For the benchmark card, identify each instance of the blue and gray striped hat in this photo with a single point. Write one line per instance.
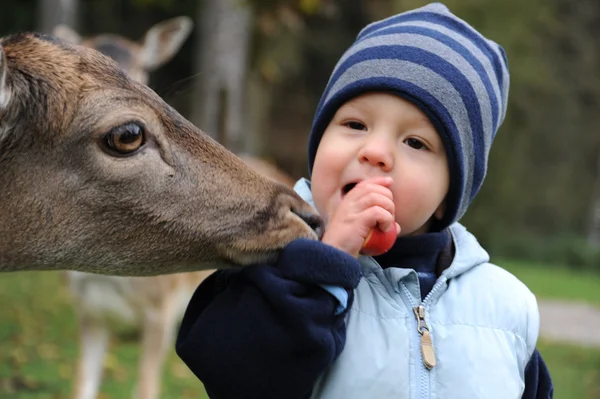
(442, 65)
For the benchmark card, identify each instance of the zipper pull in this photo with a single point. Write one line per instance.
(426, 342)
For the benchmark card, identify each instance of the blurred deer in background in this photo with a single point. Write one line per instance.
(154, 304)
(137, 58)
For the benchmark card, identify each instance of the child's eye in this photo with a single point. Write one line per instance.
(354, 125)
(414, 143)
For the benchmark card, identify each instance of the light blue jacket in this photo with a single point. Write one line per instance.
(482, 321)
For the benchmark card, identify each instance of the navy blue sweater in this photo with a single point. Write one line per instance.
(270, 331)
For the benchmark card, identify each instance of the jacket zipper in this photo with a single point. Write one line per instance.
(427, 352)
(424, 335)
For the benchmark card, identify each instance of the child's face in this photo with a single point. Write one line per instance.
(379, 134)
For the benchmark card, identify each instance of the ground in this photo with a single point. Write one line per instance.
(38, 338)
(572, 322)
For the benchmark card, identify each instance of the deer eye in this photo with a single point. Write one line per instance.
(125, 139)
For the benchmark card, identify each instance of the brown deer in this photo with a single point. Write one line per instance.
(154, 304)
(100, 175)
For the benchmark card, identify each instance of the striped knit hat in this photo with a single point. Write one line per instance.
(457, 77)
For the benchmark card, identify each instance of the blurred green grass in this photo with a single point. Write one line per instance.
(555, 282)
(39, 346)
(575, 370)
(38, 341)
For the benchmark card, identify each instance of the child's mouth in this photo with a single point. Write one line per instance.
(346, 189)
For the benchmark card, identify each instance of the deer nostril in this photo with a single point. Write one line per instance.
(313, 220)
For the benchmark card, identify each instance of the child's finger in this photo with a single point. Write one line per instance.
(384, 181)
(365, 187)
(376, 199)
(386, 227)
(378, 216)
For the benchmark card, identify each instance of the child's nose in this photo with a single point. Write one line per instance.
(377, 152)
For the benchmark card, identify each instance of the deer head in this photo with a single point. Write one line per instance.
(99, 174)
(160, 44)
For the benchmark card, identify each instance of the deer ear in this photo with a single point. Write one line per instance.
(4, 91)
(164, 40)
(67, 34)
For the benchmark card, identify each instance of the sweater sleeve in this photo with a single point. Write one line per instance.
(269, 331)
(538, 383)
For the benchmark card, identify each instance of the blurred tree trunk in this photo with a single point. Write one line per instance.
(54, 12)
(594, 232)
(259, 100)
(222, 63)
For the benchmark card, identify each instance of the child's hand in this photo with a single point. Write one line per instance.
(368, 205)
